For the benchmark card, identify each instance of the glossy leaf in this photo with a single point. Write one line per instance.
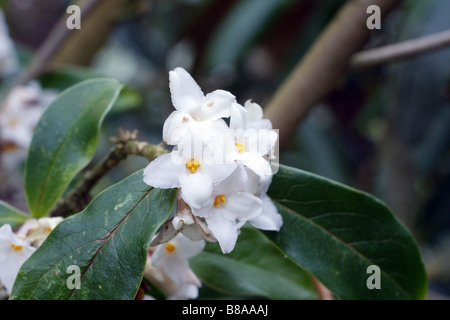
(10, 215)
(336, 233)
(108, 241)
(254, 268)
(65, 140)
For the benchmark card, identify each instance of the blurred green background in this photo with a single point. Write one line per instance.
(384, 130)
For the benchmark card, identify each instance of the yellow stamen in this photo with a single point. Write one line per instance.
(218, 200)
(16, 248)
(193, 165)
(240, 147)
(169, 247)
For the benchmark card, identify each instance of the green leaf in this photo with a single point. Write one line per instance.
(66, 76)
(108, 241)
(336, 232)
(254, 268)
(10, 215)
(65, 140)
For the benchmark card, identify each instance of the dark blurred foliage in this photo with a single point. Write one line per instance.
(384, 130)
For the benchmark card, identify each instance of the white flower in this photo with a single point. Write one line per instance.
(229, 208)
(250, 116)
(21, 112)
(195, 111)
(253, 136)
(189, 172)
(269, 219)
(13, 253)
(168, 267)
(35, 231)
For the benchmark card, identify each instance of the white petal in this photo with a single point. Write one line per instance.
(238, 117)
(11, 260)
(242, 206)
(186, 93)
(255, 112)
(185, 292)
(218, 172)
(269, 219)
(224, 230)
(215, 105)
(186, 247)
(234, 182)
(257, 184)
(260, 141)
(176, 126)
(163, 172)
(256, 163)
(196, 188)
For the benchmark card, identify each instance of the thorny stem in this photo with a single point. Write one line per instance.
(125, 144)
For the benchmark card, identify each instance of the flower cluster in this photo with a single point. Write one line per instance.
(223, 171)
(168, 267)
(16, 248)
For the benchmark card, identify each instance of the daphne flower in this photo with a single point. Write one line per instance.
(21, 112)
(35, 231)
(188, 171)
(229, 208)
(13, 253)
(249, 116)
(269, 219)
(193, 108)
(168, 267)
(253, 136)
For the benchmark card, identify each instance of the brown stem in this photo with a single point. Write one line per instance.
(126, 144)
(322, 68)
(402, 50)
(322, 291)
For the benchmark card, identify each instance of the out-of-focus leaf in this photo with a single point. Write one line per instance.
(65, 140)
(67, 76)
(10, 215)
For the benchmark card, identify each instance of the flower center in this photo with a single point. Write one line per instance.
(240, 147)
(16, 248)
(193, 165)
(218, 200)
(169, 247)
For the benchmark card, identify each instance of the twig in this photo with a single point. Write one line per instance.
(323, 67)
(402, 50)
(52, 44)
(322, 291)
(125, 144)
